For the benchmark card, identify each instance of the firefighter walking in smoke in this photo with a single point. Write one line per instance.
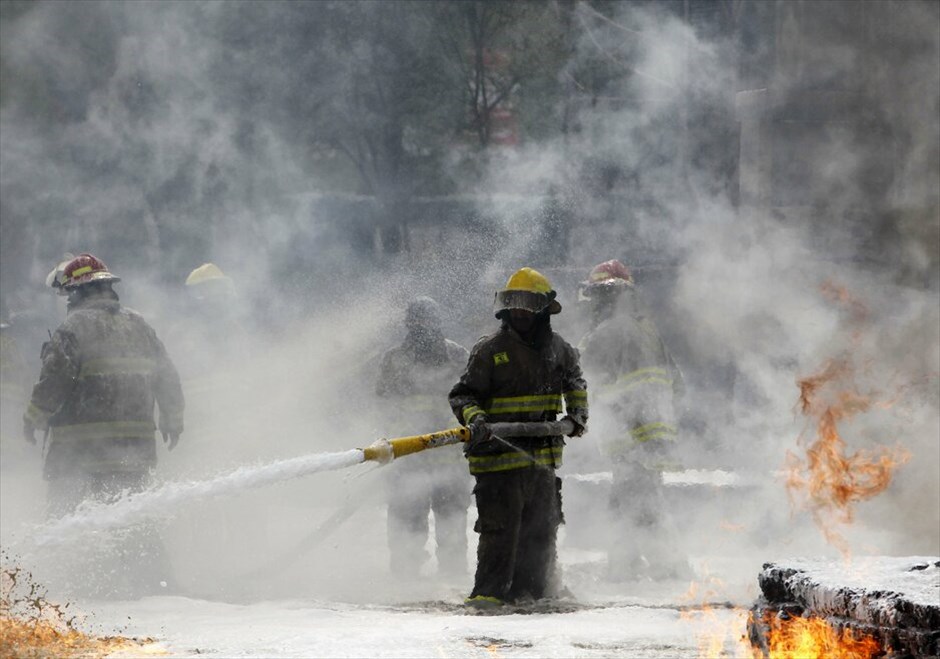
(209, 331)
(522, 372)
(102, 371)
(411, 379)
(635, 380)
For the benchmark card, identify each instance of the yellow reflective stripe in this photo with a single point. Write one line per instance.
(641, 435)
(509, 466)
(651, 374)
(510, 404)
(649, 428)
(469, 412)
(505, 466)
(81, 271)
(576, 399)
(483, 598)
(643, 372)
(653, 431)
(524, 399)
(661, 435)
(517, 460)
(518, 410)
(105, 430)
(37, 416)
(116, 366)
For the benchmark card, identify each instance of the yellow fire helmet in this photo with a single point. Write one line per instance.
(529, 290)
(205, 273)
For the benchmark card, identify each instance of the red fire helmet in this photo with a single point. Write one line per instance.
(609, 273)
(84, 269)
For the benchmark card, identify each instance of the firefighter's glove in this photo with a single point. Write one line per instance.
(171, 439)
(29, 431)
(481, 439)
(579, 418)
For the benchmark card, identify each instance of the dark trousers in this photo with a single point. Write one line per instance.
(519, 513)
(411, 496)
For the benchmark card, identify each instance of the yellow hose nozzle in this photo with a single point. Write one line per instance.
(401, 446)
(386, 450)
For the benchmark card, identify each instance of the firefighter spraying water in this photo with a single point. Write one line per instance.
(522, 372)
(508, 401)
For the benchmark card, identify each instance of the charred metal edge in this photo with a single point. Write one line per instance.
(903, 628)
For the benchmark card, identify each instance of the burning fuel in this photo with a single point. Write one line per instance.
(831, 480)
(795, 637)
(716, 636)
(873, 606)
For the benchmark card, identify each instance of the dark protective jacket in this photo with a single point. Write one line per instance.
(412, 380)
(416, 380)
(634, 376)
(509, 379)
(101, 372)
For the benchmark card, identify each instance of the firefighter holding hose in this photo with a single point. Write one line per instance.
(522, 372)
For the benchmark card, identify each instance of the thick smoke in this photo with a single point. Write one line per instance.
(164, 135)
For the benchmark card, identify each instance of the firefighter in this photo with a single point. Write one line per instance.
(102, 371)
(636, 381)
(209, 331)
(522, 372)
(413, 377)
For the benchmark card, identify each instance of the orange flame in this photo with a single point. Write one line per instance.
(814, 638)
(830, 482)
(716, 636)
(858, 310)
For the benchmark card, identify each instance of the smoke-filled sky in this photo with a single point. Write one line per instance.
(163, 135)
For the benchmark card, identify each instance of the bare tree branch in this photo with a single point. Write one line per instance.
(619, 62)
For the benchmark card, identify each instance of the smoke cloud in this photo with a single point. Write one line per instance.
(160, 136)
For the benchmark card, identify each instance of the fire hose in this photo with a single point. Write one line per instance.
(386, 450)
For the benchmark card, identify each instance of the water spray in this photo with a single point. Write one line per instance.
(154, 503)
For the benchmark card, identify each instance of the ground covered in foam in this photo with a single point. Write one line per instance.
(190, 628)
